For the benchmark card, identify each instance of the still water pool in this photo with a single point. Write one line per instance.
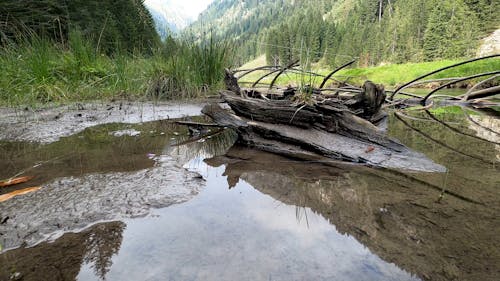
(254, 215)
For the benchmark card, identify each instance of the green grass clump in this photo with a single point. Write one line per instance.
(187, 69)
(397, 74)
(37, 70)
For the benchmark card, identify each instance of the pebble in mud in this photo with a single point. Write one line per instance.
(16, 276)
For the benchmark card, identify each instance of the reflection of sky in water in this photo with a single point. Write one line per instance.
(240, 234)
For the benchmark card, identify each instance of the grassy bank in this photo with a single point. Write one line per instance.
(397, 74)
(389, 75)
(39, 71)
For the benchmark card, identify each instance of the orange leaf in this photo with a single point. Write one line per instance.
(7, 196)
(14, 181)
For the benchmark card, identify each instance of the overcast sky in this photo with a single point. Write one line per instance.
(191, 7)
(194, 7)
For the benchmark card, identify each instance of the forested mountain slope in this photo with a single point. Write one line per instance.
(111, 24)
(333, 31)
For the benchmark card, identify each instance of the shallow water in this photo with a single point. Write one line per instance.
(258, 216)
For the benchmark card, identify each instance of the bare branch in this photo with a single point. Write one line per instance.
(439, 70)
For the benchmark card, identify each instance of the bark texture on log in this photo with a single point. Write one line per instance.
(307, 124)
(330, 117)
(231, 82)
(314, 143)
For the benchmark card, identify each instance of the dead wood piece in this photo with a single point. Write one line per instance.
(438, 70)
(221, 117)
(484, 93)
(301, 142)
(327, 118)
(197, 124)
(475, 87)
(372, 98)
(423, 102)
(271, 111)
(231, 82)
(333, 72)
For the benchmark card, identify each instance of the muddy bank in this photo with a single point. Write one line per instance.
(72, 203)
(49, 124)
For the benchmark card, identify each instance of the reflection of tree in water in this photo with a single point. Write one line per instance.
(63, 258)
(394, 214)
(101, 245)
(212, 143)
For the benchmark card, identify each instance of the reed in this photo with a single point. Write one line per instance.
(36, 70)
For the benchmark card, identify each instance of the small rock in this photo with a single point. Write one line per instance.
(16, 276)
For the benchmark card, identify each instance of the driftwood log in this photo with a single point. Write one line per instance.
(317, 144)
(304, 123)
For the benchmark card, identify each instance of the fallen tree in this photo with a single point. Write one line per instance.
(326, 127)
(318, 144)
(344, 122)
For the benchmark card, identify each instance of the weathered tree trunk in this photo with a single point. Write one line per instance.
(317, 144)
(307, 124)
(330, 117)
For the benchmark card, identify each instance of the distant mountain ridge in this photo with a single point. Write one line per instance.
(168, 16)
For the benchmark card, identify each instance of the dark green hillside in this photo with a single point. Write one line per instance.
(112, 24)
(76, 50)
(333, 31)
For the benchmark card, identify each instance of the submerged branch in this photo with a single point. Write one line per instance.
(483, 93)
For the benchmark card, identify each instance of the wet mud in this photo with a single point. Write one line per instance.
(73, 203)
(100, 174)
(48, 124)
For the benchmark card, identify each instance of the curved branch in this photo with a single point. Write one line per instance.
(466, 95)
(297, 70)
(406, 94)
(264, 76)
(456, 81)
(268, 74)
(439, 70)
(435, 80)
(457, 130)
(438, 141)
(281, 72)
(333, 72)
(253, 70)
